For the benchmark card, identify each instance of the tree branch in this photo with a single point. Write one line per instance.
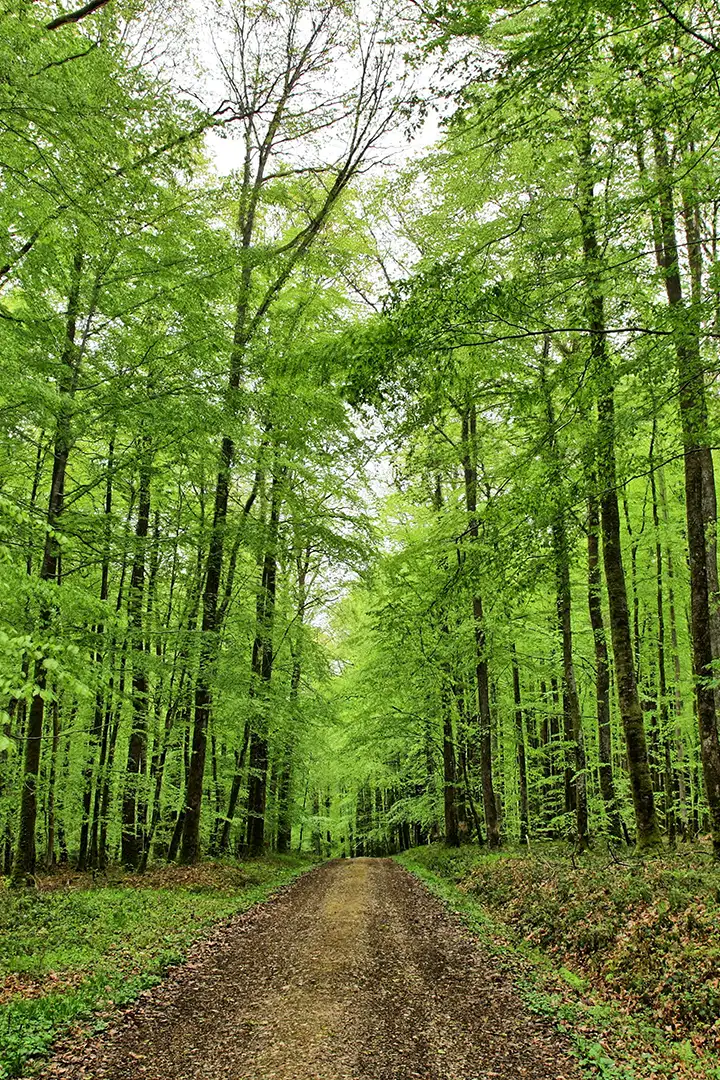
(76, 16)
(687, 29)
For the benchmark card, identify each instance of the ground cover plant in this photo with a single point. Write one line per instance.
(73, 948)
(626, 950)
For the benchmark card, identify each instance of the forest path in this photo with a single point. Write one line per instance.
(355, 971)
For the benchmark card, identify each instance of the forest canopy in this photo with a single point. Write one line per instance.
(357, 427)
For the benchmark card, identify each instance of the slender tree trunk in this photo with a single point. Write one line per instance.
(469, 450)
(284, 835)
(700, 499)
(190, 846)
(452, 835)
(97, 854)
(262, 667)
(648, 833)
(212, 614)
(693, 235)
(112, 727)
(602, 669)
(284, 832)
(26, 853)
(570, 694)
(451, 831)
(97, 723)
(133, 815)
(677, 673)
(575, 769)
(520, 749)
(52, 779)
(663, 710)
(240, 756)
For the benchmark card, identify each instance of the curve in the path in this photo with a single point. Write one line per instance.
(354, 973)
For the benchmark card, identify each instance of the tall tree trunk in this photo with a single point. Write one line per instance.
(520, 749)
(97, 722)
(25, 853)
(284, 832)
(97, 856)
(571, 701)
(700, 498)
(677, 673)
(133, 802)
(262, 667)
(663, 710)
(452, 835)
(648, 833)
(211, 616)
(602, 668)
(693, 236)
(209, 645)
(469, 452)
(575, 774)
(212, 612)
(450, 797)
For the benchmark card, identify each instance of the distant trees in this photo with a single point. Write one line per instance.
(548, 238)
(298, 546)
(165, 427)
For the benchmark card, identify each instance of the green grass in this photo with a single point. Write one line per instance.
(74, 952)
(620, 957)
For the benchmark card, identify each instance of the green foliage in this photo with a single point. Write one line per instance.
(299, 469)
(637, 935)
(67, 953)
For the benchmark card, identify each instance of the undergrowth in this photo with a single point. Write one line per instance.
(73, 948)
(623, 953)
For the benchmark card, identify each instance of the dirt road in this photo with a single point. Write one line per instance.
(353, 973)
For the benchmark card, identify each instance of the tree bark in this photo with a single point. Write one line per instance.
(469, 449)
(648, 833)
(97, 722)
(574, 754)
(677, 673)
(25, 852)
(520, 750)
(602, 668)
(700, 498)
(571, 701)
(262, 667)
(663, 710)
(452, 835)
(134, 802)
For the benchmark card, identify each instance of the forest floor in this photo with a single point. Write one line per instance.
(78, 946)
(354, 971)
(623, 952)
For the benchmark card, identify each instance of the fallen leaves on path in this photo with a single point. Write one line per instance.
(355, 971)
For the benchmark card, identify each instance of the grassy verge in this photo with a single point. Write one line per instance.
(623, 956)
(74, 948)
